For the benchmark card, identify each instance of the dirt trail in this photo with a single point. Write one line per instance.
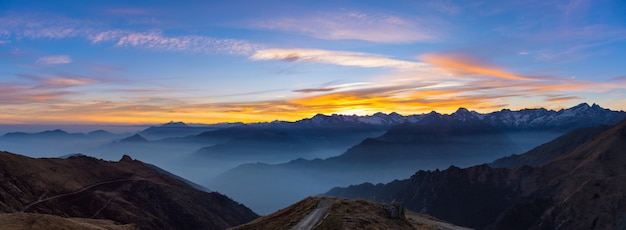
(75, 192)
(310, 221)
(418, 220)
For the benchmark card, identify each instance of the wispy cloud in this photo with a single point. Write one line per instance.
(314, 90)
(54, 60)
(342, 58)
(34, 27)
(133, 11)
(52, 82)
(354, 25)
(11, 94)
(463, 65)
(156, 40)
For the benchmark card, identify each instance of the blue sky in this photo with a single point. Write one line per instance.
(132, 62)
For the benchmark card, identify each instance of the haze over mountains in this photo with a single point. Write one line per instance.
(578, 185)
(310, 156)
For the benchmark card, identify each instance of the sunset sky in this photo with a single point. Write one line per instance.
(140, 62)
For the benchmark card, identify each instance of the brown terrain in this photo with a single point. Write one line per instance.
(335, 213)
(101, 194)
(34, 221)
(576, 187)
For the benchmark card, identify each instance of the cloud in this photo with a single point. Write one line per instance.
(464, 65)
(619, 78)
(58, 81)
(156, 40)
(22, 95)
(354, 25)
(317, 90)
(54, 60)
(560, 98)
(54, 27)
(342, 58)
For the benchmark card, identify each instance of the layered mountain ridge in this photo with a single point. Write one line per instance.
(575, 187)
(428, 141)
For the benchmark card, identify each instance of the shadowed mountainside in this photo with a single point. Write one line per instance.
(548, 151)
(581, 188)
(128, 192)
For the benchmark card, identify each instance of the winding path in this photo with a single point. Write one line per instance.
(75, 192)
(314, 218)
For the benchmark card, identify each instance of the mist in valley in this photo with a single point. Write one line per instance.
(267, 168)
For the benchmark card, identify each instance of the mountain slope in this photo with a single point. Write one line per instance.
(333, 213)
(582, 188)
(33, 221)
(127, 191)
(549, 151)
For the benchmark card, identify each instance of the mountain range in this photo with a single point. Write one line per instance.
(323, 151)
(573, 182)
(429, 141)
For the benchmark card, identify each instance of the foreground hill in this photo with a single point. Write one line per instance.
(334, 213)
(34, 221)
(580, 187)
(127, 192)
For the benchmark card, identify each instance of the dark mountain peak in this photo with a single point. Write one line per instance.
(134, 138)
(464, 114)
(462, 110)
(73, 155)
(99, 132)
(319, 117)
(380, 114)
(55, 132)
(172, 124)
(430, 116)
(582, 105)
(596, 107)
(126, 158)
(579, 108)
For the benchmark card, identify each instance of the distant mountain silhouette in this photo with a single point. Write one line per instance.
(551, 150)
(180, 129)
(429, 141)
(579, 187)
(127, 192)
(50, 134)
(134, 139)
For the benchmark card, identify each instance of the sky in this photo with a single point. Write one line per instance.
(141, 62)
